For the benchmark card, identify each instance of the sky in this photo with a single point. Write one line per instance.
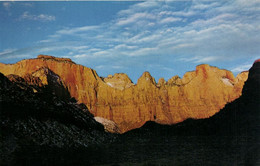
(165, 37)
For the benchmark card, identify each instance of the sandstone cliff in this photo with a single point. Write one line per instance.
(199, 94)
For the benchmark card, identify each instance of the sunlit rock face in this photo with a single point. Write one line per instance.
(118, 81)
(199, 94)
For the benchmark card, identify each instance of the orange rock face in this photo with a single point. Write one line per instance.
(199, 94)
(118, 81)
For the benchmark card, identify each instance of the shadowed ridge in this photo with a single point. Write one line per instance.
(38, 127)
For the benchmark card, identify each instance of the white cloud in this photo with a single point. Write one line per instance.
(138, 7)
(41, 17)
(109, 66)
(170, 20)
(8, 54)
(207, 59)
(94, 49)
(143, 51)
(241, 5)
(7, 51)
(103, 54)
(80, 47)
(71, 31)
(146, 4)
(15, 56)
(124, 46)
(203, 32)
(133, 18)
(100, 67)
(46, 41)
(179, 13)
(222, 18)
(80, 55)
(201, 6)
(241, 68)
(223, 33)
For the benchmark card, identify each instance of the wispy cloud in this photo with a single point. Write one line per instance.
(124, 46)
(162, 32)
(133, 18)
(7, 5)
(46, 41)
(208, 59)
(71, 31)
(138, 7)
(178, 13)
(41, 17)
(7, 51)
(201, 6)
(149, 28)
(9, 54)
(28, 4)
(170, 19)
(241, 68)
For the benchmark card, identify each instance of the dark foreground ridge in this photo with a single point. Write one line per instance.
(41, 127)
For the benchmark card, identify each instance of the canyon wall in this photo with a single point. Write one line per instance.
(199, 94)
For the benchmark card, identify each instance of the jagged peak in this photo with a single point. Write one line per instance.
(161, 82)
(118, 81)
(146, 74)
(119, 76)
(146, 77)
(48, 57)
(175, 80)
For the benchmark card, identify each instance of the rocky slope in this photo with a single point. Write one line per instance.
(199, 94)
(39, 119)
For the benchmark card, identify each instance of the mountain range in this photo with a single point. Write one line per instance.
(115, 99)
(45, 121)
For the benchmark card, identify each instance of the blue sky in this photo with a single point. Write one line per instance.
(166, 38)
